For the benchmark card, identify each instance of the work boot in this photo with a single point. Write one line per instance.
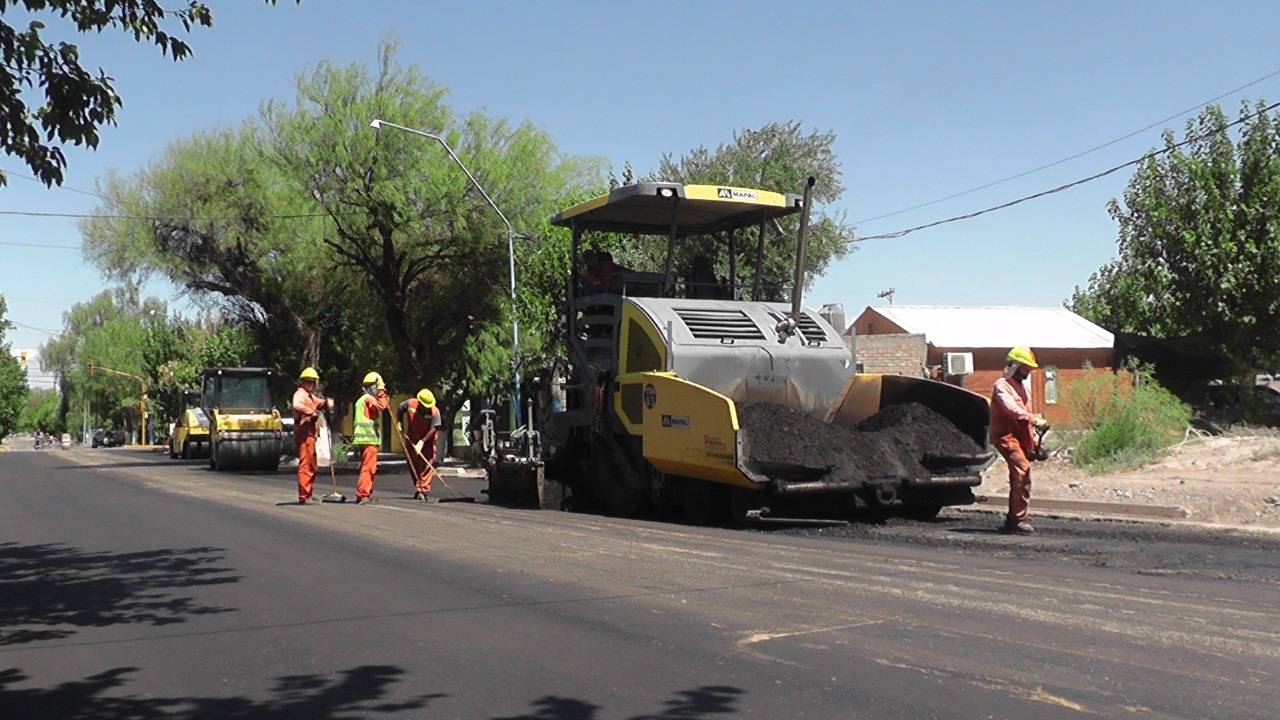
(1017, 527)
(307, 501)
(419, 495)
(363, 501)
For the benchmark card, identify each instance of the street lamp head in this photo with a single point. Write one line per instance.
(375, 124)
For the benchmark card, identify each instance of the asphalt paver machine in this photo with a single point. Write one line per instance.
(658, 370)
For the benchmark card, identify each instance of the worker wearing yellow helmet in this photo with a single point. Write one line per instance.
(367, 432)
(1011, 425)
(307, 404)
(420, 419)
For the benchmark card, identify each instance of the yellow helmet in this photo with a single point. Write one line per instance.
(427, 398)
(1024, 356)
(309, 373)
(372, 378)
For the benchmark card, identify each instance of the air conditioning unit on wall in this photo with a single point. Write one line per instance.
(957, 363)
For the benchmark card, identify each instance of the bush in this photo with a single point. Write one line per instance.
(1128, 425)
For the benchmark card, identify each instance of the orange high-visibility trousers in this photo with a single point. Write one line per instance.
(368, 468)
(306, 466)
(1019, 476)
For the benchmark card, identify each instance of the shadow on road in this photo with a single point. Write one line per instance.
(703, 702)
(358, 692)
(48, 590)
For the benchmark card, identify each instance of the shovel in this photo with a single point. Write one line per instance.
(404, 440)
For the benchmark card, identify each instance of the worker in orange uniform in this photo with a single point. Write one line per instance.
(306, 414)
(420, 419)
(367, 432)
(1011, 425)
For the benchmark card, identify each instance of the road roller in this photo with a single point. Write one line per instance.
(245, 431)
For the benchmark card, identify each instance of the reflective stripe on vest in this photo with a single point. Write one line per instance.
(365, 429)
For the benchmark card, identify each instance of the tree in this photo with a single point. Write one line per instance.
(13, 380)
(777, 156)
(215, 217)
(76, 102)
(41, 412)
(407, 228)
(1199, 235)
(108, 330)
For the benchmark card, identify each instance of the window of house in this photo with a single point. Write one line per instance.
(1050, 385)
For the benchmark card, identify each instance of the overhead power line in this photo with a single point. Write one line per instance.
(1069, 158)
(33, 327)
(68, 188)
(173, 218)
(40, 245)
(1074, 183)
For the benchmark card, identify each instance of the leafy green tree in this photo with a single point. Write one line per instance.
(41, 412)
(777, 156)
(13, 380)
(108, 330)
(1199, 238)
(407, 229)
(76, 102)
(224, 223)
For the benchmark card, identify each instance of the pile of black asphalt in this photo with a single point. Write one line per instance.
(891, 443)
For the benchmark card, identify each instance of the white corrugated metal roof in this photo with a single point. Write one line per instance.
(997, 327)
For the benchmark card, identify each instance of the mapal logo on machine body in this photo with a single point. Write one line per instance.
(725, 193)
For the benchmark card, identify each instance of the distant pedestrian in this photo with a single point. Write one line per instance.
(420, 419)
(306, 415)
(367, 432)
(1011, 424)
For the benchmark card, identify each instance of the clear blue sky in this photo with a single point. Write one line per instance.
(926, 99)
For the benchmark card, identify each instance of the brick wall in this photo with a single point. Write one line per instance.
(989, 363)
(896, 354)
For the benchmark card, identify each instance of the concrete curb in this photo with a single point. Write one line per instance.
(1161, 512)
(1038, 508)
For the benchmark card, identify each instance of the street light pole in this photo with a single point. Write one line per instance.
(377, 124)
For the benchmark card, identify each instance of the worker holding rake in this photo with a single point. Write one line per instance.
(306, 412)
(420, 419)
(1011, 425)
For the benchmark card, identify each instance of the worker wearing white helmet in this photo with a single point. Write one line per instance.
(420, 419)
(1011, 425)
(307, 405)
(367, 432)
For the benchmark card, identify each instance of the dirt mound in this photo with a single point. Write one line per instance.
(893, 442)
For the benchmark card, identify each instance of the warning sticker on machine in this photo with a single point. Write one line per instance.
(675, 421)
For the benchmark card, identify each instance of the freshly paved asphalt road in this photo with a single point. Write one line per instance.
(134, 587)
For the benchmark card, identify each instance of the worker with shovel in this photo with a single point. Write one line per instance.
(366, 432)
(306, 412)
(420, 419)
(1011, 425)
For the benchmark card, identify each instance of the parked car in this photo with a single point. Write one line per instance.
(103, 437)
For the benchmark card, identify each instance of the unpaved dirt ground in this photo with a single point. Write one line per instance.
(1231, 479)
